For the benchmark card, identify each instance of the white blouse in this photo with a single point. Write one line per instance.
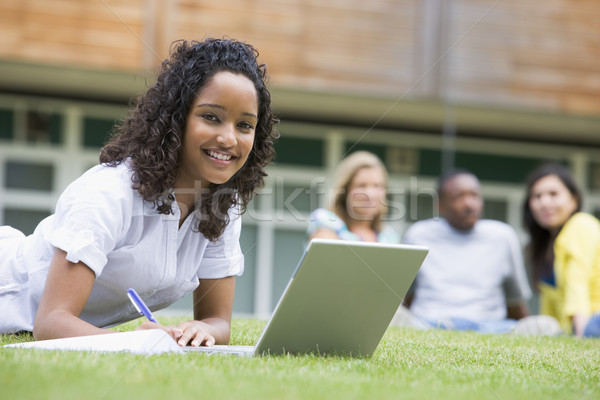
(104, 223)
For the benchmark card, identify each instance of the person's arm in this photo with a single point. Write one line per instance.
(517, 311)
(410, 294)
(213, 305)
(323, 233)
(323, 224)
(515, 285)
(579, 322)
(408, 299)
(68, 287)
(576, 251)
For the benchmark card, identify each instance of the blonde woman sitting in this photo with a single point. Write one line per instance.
(358, 204)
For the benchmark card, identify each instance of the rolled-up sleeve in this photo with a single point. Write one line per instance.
(90, 217)
(80, 245)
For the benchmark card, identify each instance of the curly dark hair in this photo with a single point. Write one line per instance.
(151, 136)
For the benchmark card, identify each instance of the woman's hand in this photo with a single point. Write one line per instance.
(193, 333)
(213, 304)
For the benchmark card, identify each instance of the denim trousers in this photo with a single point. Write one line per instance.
(592, 329)
(462, 324)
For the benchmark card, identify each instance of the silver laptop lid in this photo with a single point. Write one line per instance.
(341, 298)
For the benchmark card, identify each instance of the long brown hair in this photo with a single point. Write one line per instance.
(151, 137)
(540, 248)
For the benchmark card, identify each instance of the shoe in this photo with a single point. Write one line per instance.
(537, 325)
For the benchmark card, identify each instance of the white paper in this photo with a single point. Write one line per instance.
(151, 341)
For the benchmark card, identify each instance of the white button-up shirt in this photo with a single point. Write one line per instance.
(104, 223)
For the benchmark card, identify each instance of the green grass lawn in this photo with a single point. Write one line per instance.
(407, 364)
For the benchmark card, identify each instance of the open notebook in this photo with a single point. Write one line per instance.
(340, 299)
(152, 341)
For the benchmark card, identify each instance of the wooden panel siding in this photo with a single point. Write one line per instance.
(334, 45)
(544, 55)
(509, 54)
(79, 33)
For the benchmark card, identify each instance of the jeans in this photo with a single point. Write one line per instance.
(592, 329)
(462, 324)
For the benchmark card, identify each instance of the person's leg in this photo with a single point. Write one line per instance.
(17, 314)
(497, 326)
(592, 329)
(462, 324)
(454, 323)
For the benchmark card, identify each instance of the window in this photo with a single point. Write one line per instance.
(6, 124)
(487, 167)
(29, 176)
(96, 131)
(296, 199)
(24, 220)
(417, 206)
(43, 127)
(378, 149)
(495, 209)
(288, 248)
(300, 151)
(245, 284)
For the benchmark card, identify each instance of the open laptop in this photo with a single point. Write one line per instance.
(340, 300)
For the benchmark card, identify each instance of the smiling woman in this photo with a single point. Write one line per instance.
(358, 205)
(565, 250)
(159, 214)
(219, 135)
(162, 116)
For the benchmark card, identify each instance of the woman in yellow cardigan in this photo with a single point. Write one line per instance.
(565, 250)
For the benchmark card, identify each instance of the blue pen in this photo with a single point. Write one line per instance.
(140, 305)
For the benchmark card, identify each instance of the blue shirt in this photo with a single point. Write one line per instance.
(325, 219)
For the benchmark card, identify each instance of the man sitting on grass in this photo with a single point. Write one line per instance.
(473, 277)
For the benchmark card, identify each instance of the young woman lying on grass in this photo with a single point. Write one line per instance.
(160, 214)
